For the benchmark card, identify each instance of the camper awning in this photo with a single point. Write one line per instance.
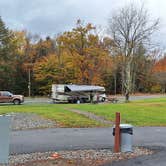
(87, 88)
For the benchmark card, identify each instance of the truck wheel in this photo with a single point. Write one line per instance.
(16, 102)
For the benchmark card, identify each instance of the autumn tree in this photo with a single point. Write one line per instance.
(84, 46)
(129, 27)
(79, 57)
(35, 49)
(111, 74)
(44, 47)
(160, 72)
(20, 76)
(47, 72)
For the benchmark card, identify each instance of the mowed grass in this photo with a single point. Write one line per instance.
(148, 112)
(55, 112)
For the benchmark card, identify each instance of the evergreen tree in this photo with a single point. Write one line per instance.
(6, 48)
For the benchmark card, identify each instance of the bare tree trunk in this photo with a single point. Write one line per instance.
(115, 79)
(123, 77)
(122, 89)
(128, 81)
(133, 82)
(129, 27)
(133, 73)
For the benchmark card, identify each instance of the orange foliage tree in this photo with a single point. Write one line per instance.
(83, 45)
(160, 72)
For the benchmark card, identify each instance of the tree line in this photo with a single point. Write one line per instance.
(121, 60)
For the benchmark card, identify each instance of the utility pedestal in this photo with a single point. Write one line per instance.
(5, 121)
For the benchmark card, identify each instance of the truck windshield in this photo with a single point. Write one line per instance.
(10, 94)
(7, 93)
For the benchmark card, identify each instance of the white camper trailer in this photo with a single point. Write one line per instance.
(77, 93)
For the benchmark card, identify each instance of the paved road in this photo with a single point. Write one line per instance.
(141, 97)
(121, 98)
(72, 139)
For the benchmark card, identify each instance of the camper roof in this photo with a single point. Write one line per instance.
(87, 88)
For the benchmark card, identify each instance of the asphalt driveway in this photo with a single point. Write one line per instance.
(83, 138)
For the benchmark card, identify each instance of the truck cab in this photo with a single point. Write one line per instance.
(8, 97)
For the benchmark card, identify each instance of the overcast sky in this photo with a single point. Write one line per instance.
(49, 17)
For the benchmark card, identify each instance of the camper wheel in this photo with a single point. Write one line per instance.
(103, 99)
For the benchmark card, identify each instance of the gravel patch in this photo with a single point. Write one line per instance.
(92, 116)
(73, 158)
(24, 121)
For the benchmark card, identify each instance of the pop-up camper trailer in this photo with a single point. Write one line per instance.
(77, 93)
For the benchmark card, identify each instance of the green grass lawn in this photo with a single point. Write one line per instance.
(55, 112)
(149, 112)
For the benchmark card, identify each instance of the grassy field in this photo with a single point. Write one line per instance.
(149, 112)
(55, 112)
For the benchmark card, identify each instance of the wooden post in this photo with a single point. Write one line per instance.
(117, 133)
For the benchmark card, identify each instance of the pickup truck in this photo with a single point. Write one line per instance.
(7, 97)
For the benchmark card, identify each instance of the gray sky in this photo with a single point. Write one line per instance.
(49, 17)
